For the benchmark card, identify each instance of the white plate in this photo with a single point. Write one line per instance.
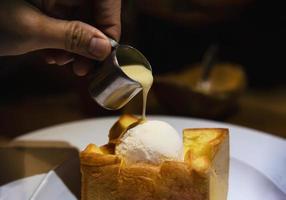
(258, 160)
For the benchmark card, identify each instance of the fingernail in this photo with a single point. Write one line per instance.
(80, 70)
(98, 48)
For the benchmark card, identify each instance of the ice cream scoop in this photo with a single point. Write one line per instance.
(150, 142)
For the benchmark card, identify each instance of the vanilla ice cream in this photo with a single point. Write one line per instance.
(150, 142)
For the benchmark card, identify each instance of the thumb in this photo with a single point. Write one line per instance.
(73, 36)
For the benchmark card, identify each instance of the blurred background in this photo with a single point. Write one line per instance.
(219, 59)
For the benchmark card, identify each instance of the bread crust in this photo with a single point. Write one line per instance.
(204, 171)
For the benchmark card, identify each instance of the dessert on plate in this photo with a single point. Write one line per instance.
(147, 160)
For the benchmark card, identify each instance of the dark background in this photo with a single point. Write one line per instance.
(250, 33)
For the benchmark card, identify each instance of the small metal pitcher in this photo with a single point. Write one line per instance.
(110, 87)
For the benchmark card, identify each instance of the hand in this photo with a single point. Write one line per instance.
(54, 24)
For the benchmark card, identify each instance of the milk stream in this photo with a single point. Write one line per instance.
(142, 75)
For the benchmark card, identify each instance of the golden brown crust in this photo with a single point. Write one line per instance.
(120, 127)
(201, 145)
(108, 148)
(93, 156)
(107, 177)
(171, 180)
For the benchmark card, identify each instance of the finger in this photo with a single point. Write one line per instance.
(63, 59)
(49, 5)
(50, 60)
(81, 66)
(58, 57)
(73, 36)
(18, 21)
(64, 9)
(107, 17)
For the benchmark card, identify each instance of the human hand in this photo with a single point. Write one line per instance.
(30, 26)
